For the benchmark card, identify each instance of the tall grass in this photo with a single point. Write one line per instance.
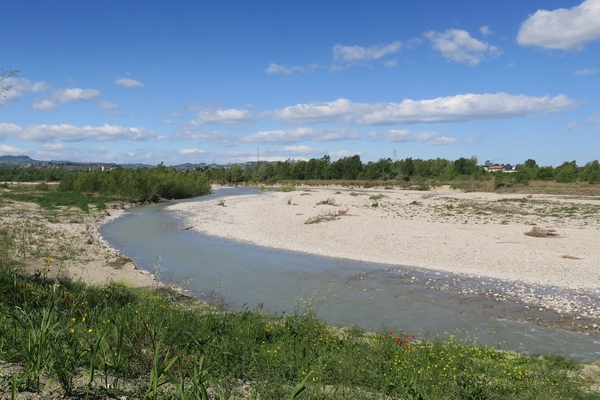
(113, 340)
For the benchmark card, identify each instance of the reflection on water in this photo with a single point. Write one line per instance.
(373, 296)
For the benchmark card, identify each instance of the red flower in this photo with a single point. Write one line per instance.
(22, 287)
(406, 342)
(398, 340)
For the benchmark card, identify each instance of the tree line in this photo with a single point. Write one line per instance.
(408, 169)
(149, 184)
(143, 184)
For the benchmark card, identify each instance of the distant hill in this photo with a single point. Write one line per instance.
(16, 161)
(26, 161)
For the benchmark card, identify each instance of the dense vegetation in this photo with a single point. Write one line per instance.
(143, 184)
(115, 341)
(408, 169)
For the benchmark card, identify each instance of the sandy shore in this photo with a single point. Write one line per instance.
(479, 234)
(71, 240)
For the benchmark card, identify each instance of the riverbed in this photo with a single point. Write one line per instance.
(417, 301)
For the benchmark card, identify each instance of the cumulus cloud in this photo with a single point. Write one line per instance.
(109, 107)
(218, 138)
(573, 127)
(587, 71)
(405, 135)
(485, 30)
(391, 63)
(301, 135)
(358, 53)
(280, 69)
(458, 45)
(75, 94)
(18, 86)
(57, 151)
(70, 133)
(129, 83)
(465, 107)
(594, 120)
(562, 29)
(231, 116)
(45, 105)
(191, 151)
(7, 129)
(7, 150)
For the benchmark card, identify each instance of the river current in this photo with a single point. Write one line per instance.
(344, 292)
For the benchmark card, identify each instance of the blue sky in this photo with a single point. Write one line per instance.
(152, 81)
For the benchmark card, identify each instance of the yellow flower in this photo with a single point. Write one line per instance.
(90, 330)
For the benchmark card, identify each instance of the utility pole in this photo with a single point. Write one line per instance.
(394, 154)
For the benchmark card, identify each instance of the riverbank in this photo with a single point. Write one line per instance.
(477, 234)
(67, 242)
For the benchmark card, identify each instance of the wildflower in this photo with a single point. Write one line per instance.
(22, 287)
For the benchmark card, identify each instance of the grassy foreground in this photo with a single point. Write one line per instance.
(114, 340)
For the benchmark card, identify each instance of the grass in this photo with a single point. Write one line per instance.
(113, 340)
(51, 200)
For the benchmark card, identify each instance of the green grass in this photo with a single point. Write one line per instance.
(150, 345)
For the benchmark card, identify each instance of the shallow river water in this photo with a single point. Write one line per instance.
(348, 293)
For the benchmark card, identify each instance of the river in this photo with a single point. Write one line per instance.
(344, 292)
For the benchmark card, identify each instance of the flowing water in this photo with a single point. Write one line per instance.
(347, 293)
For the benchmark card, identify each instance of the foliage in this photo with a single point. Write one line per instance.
(144, 184)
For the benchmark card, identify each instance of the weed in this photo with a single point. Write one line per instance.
(221, 202)
(326, 216)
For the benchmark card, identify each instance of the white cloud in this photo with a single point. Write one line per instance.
(45, 105)
(231, 116)
(405, 135)
(18, 86)
(485, 30)
(75, 94)
(70, 133)
(57, 152)
(7, 129)
(562, 29)
(337, 154)
(595, 120)
(391, 63)
(301, 135)
(358, 53)
(166, 122)
(573, 127)
(218, 138)
(511, 65)
(129, 83)
(458, 45)
(465, 107)
(7, 150)
(109, 107)
(587, 71)
(191, 151)
(280, 69)
(340, 110)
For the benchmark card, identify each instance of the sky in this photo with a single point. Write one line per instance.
(230, 81)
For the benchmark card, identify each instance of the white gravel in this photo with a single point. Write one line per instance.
(479, 234)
